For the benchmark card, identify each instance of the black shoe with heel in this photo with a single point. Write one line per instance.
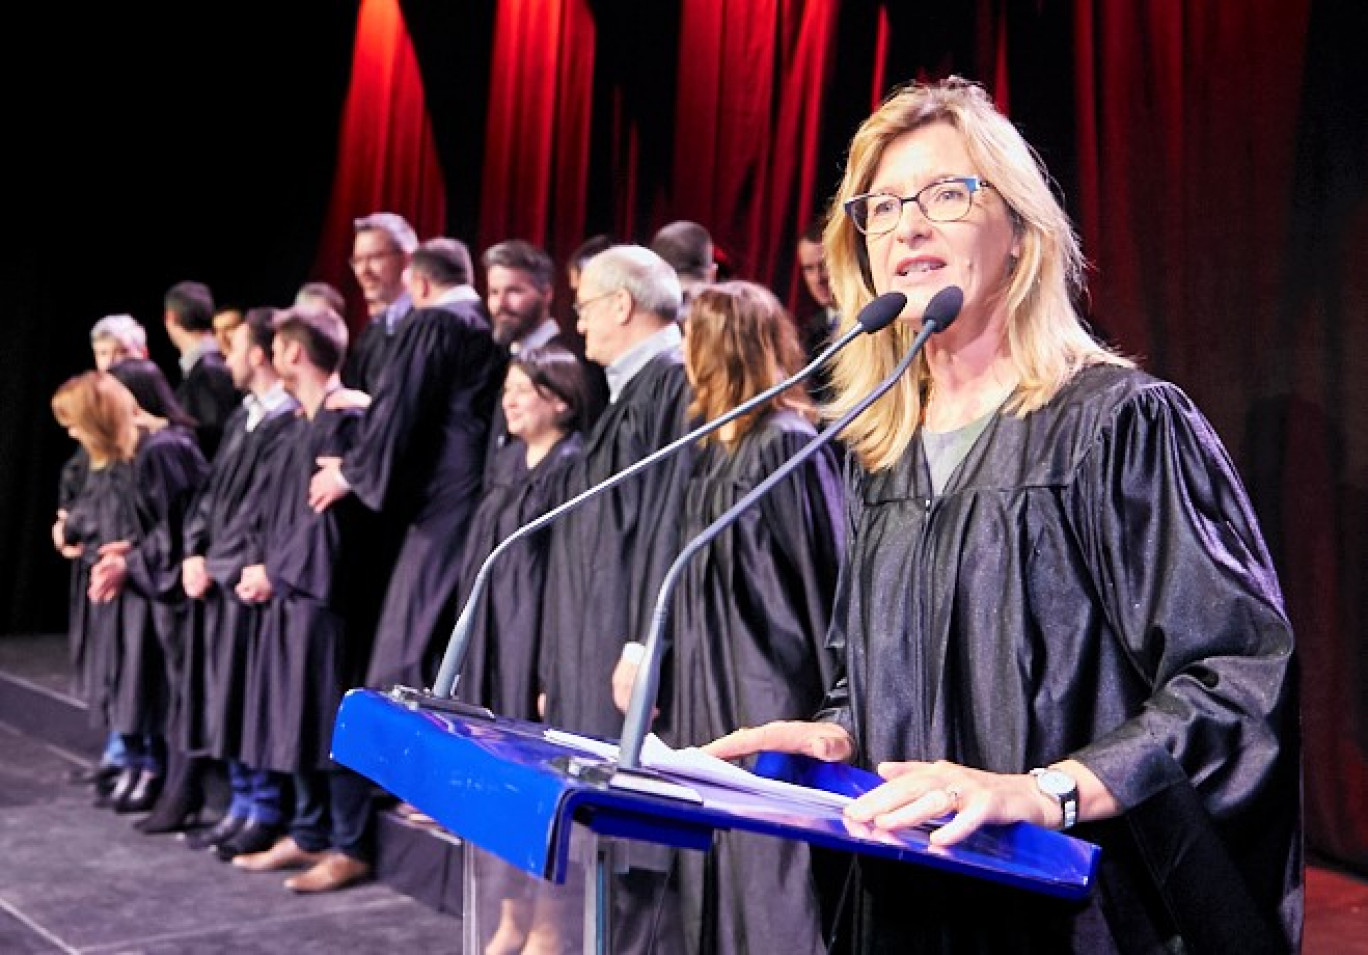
(143, 794)
(124, 783)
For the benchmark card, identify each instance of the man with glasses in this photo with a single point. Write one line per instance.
(606, 560)
(380, 252)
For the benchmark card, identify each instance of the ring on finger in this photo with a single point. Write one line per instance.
(953, 796)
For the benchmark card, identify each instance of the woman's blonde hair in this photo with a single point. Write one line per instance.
(1046, 337)
(104, 411)
(739, 341)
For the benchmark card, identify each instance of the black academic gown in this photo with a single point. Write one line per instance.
(607, 559)
(221, 528)
(207, 394)
(1092, 583)
(501, 659)
(306, 656)
(133, 648)
(370, 351)
(418, 459)
(366, 357)
(751, 615)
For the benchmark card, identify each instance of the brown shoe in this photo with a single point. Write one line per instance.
(285, 854)
(334, 871)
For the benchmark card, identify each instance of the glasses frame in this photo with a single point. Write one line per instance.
(356, 261)
(578, 307)
(974, 183)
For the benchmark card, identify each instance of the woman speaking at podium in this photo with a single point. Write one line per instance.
(1057, 606)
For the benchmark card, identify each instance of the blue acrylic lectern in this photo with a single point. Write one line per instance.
(507, 788)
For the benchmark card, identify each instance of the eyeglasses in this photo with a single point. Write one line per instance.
(579, 307)
(945, 200)
(370, 258)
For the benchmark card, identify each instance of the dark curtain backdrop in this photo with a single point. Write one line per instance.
(1212, 155)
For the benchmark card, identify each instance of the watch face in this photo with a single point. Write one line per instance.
(1056, 783)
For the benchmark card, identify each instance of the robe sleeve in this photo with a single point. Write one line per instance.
(1190, 591)
(434, 348)
(802, 516)
(169, 471)
(305, 560)
(656, 498)
(240, 541)
(836, 707)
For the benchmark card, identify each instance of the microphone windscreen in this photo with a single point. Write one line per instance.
(944, 307)
(879, 314)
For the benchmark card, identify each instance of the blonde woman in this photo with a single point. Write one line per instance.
(1058, 608)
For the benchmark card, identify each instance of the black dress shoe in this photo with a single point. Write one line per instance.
(143, 795)
(253, 837)
(124, 783)
(221, 831)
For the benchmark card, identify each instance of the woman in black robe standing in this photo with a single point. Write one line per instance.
(125, 527)
(752, 610)
(545, 400)
(1057, 607)
(545, 404)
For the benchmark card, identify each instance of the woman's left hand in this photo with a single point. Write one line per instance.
(916, 793)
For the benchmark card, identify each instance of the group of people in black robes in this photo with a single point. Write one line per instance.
(1039, 595)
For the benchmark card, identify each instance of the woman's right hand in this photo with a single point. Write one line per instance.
(825, 741)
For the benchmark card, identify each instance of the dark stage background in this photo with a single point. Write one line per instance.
(1212, 154)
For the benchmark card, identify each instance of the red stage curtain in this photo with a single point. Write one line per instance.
(751, 89)
(1188, 118)
(387, 160)
(537, 138)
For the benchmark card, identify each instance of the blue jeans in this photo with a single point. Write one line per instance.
(258, 794)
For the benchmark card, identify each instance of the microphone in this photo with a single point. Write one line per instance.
(943, 308)
(874, 317)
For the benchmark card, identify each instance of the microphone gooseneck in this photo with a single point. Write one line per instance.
(875, 316)
(943, 308)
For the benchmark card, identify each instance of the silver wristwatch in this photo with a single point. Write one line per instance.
(1063, 787)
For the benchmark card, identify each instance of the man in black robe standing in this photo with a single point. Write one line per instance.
(419, 456)
(381, 248)
(219, 544)
(206, 390)
(310, 652)
(607, 559)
